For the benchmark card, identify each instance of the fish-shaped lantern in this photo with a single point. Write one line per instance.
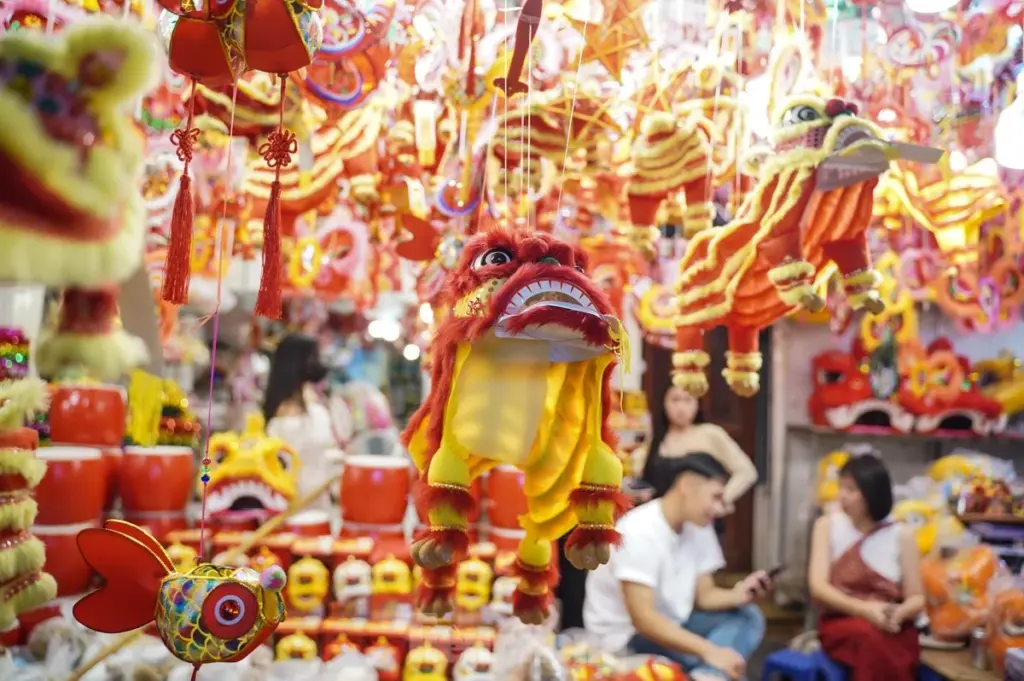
(208, 614)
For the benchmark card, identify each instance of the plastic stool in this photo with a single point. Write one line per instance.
(828, 669)
(794, 664)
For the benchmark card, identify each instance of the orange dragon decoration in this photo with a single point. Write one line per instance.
(521, 376)
(772, 257)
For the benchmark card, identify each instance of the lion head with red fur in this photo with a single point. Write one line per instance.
(517, 285)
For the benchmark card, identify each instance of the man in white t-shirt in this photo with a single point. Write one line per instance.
(657, 595)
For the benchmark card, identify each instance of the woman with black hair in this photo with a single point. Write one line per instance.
(294, 413)
(678, 429)
(865, 573)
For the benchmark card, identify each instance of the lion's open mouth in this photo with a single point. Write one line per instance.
(550, 292)
(558, 312)
(244, 497)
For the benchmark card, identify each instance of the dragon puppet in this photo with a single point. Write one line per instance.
(803, 215)
(521, 376)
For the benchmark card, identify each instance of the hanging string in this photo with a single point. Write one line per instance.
(277, 152)
(572, 112)
(204, 470)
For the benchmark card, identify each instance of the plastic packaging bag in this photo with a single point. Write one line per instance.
(526, 653)
(956, 584)
(1006, 617)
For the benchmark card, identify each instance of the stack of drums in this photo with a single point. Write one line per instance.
(505, 502)
(156, 484)
(91, 416)
(375, 495)
(71, 498)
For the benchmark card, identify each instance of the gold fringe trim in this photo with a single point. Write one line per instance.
(692, 382)
(17, 513)
(22, 462)
(693, 227)
(364, 187)
(744, 361)
(21, 400)
(12, 603)
(858, 300)
(743, 383)
(794, 295)
(798, 269)
(690, 358)
(865, 279)
(705, 209)
(22, 558)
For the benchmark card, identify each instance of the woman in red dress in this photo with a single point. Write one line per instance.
(865, 574)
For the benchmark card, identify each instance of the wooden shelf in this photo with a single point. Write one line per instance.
(868, 432)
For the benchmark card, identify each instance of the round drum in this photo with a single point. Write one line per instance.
(375, 532)
(92, 415)
(63, 559)
(156, 479)
(74, 488)
(505, 540)
(309, 524)
(505, 498)
(159, 524)
(112, 457)
(476, 489)
(375, 489)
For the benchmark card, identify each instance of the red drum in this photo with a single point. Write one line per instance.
(112, 457)
(505, 498)
(92, 415)
(506, 540)
(74, 488)
(309, 524)
(160, 525)
(156, 479)
(375, 532)
(375, 489)
(476, 489)
(63, 559)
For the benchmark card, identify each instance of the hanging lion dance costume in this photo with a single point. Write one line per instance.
(771, 259)
(520, 376)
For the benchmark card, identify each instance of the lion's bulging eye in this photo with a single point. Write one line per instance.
(800, 114)
(495, 257)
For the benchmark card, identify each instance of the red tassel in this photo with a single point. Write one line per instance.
(178, 266)
(268, 303)
(277, 152)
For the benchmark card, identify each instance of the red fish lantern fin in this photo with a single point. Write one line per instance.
(145, 538)
(132, 576)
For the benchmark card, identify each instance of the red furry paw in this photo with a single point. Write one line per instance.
(588, 547)
(437, 547)
(589, 496)
(455, 497)
(535, 579)
(436, 592)
(532, 608)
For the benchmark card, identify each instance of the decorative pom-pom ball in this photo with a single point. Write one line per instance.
(273, 578)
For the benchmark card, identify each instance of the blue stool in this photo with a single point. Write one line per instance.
(794, 664)
(828, 669)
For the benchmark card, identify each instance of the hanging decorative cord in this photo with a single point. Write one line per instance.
(277, 152)
(177, 269)
(219, 249)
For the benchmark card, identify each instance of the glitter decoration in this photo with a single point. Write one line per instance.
(14, 354)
